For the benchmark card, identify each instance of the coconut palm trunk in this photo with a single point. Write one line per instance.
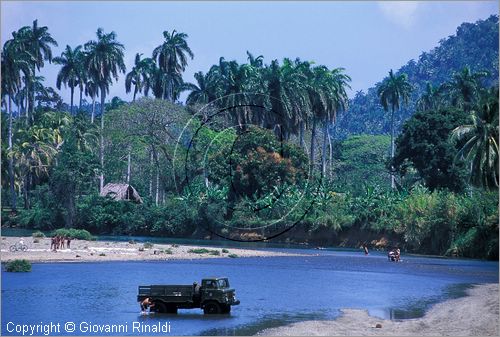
(323, 154)
(301, 135)
(393, 180)
(312, 152)
(101, 140)
(81, 97)
(72, 93)
(128, 166)
(330, 146)
(13, 200)
(92, 116)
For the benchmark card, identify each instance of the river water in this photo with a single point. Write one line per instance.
(273, 291)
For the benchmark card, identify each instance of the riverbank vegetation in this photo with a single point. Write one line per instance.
(238, 164)
(18, 266)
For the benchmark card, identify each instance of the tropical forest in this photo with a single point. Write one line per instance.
(275, 150)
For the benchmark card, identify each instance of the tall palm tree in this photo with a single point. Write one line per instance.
(257, 62)
(480, 150)
(464, 87)
(13, 64)
(71, 70)
(92, 90)
(104, 61)
(33, 152)
(172, 56)
(288, 90)
(336, 84)
(200, 92)
(393, 91)
(37, 41)
(139, 74)
(431, 98)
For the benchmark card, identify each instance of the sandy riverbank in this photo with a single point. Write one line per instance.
(474, 315)
(94, 251)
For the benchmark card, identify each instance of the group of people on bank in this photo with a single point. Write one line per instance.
(59, 241)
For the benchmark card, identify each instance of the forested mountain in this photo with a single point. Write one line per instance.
(474, 45)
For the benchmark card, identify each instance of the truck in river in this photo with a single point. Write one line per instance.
(214, 296)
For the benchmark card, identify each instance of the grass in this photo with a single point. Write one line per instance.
(204, 251)
(18, 266)
(167, 251)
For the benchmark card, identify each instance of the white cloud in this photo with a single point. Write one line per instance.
(402, 13)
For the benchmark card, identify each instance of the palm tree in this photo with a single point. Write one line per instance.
(71, 71)
(394, 90)
(36, 41)
(103, 62)
(92, 90)
(200, 92)
(139, 75)
(171, 58)
(33, 152)
(480, 150)
(287, 87)
(257, 62)
(431, 98)
(464, 87)
(13, 64)
(336, 84)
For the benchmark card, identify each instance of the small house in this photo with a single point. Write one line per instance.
(121, 192)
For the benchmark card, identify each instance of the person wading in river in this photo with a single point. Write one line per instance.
(145, 304)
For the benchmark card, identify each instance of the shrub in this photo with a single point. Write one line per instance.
(102, 254)
(233, 256)
(18, 266)
(38, 234)
(147, 245)
(80, 234)
(167, 251)
(36, 241)
(214, 252)
(132, 242)
(224, 250)
(199, 251)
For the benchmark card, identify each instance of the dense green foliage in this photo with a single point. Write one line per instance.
(239, 163)
(475, 45)
(424, 145)
(18, 266)
(361, 161)
(80, 234)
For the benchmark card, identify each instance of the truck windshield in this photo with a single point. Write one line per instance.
(222, 284)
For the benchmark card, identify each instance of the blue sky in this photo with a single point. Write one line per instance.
(367, 38)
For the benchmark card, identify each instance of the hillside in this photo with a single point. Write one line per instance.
(474, 44)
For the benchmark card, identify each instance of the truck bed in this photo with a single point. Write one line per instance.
(168, 293)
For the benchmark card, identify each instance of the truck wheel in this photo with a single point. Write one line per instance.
(171, 309)
(160, 307)
(226, 309)
(212, 308)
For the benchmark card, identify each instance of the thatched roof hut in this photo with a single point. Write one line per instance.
(121, 192)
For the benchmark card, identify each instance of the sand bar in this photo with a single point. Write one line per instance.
(94, 251)
(474, 315)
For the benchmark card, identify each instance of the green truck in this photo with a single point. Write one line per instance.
(214, 296)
